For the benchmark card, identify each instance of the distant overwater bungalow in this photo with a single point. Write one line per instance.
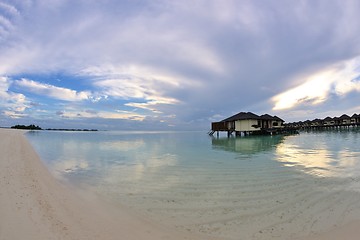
(344, 121)
(248, 123)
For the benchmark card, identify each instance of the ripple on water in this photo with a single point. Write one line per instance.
(247, 188)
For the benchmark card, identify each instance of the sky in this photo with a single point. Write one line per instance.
(176, 65)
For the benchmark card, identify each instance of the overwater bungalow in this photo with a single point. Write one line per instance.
(246, 123)
(329, 122)
(316, 122)
(344, 119)
(355, 118)
(337, 121)
(307, 123)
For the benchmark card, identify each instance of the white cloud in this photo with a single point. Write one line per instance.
(73, 114)
(52, 91)
(13, 104)
(7, 15)
(136, 82)
(9, 8)
(151, 105)
(313, 91)
(14, 114)
(348, 78)
(339, 79)
(4, 86)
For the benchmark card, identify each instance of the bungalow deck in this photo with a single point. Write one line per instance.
(262, 131)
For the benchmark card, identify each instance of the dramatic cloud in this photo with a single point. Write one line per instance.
(133, 82)
(176, 63)
(339, 79)
(52, 91)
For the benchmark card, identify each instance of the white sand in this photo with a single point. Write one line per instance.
(348, 232)
(33, 205)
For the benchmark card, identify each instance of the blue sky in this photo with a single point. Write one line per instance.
(160, 65)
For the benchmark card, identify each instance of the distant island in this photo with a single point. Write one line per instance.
(29, 127)
(34, 127)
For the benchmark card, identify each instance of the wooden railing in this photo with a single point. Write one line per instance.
(222, 126)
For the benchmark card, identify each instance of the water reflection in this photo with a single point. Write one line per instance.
(196, 183)
(309, 161)
(103, 157)
(319, 154)
(142, 173)
(331, 154)
(247, 145)
(121, 145)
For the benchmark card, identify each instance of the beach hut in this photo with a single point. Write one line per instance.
(344, 120)
(246, 123)
(268, 121)
(299, 124)
(336, 121)
(306, 123)
(355, 119)
(328, 121)
(278, 122)
(316, 122)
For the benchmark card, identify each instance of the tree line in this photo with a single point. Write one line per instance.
(34, 127)
(29, 127)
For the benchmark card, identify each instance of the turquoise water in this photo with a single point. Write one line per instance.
(261, 187)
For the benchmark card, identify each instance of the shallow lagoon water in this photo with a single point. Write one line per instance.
(260, 187)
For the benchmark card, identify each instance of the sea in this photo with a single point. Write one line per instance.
(253, 187)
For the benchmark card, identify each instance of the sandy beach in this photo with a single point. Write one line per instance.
(34, 205)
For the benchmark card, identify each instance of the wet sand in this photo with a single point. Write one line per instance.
(33, 205)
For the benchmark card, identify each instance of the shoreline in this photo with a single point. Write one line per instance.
(34, 205)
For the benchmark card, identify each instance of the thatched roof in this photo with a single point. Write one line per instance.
(241, 116)
(250, 115)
